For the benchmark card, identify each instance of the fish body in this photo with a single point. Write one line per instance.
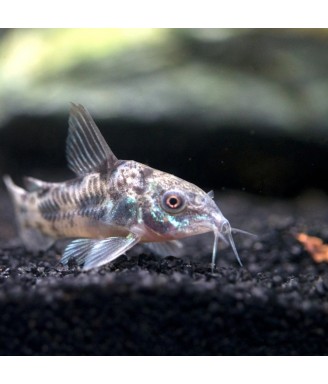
(112, 204)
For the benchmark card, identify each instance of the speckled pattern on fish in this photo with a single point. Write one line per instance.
(112, 204)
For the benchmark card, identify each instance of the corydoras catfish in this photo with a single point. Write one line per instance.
(112, 204)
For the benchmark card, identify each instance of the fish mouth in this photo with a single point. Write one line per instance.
(222, 230)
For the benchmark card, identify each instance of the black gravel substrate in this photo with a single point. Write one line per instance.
(277, 304)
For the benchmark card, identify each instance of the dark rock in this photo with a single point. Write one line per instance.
(145, 305)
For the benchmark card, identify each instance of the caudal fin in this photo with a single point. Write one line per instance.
(17, 194)
(32, 238)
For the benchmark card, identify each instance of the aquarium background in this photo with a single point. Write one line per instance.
(242, 112)
(228, 109)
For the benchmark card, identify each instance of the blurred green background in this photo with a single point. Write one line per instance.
(242, 109)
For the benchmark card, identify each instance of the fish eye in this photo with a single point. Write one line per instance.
(173, 202)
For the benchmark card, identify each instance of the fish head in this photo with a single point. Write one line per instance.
(174, 208)
(168, 207)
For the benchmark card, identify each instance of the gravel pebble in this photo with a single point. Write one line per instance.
(144, 305)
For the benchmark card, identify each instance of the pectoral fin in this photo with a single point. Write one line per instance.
(167, 248)
(94, 253)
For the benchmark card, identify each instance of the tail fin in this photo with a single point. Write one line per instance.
(32, 238)
(17, 194)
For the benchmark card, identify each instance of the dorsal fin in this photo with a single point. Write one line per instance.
(86, 149)
(32, 184)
